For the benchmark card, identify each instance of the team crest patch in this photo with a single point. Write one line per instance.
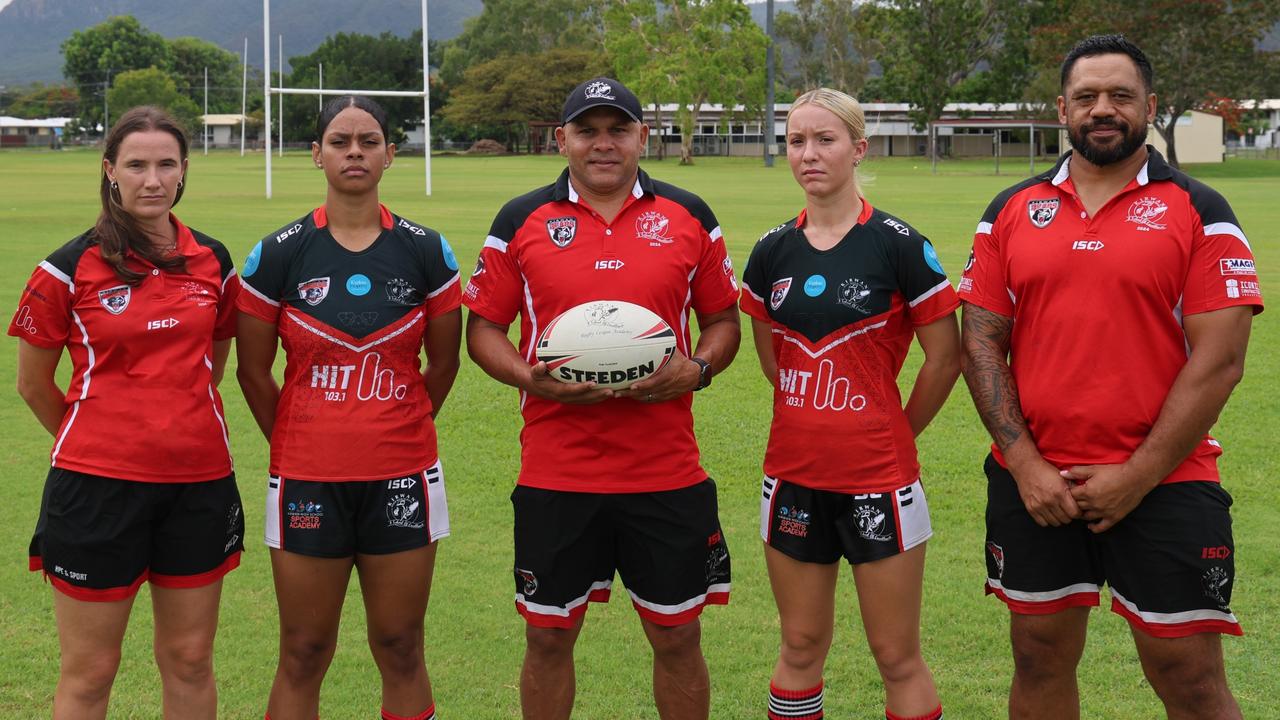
(115, 299)
(528, 582)
(314, 291)
(561, 230)
(404, 511)
(853, 294)
(655, 226)
(401, 292)
(599, 90)
(870, 522)
(1042, 212)
(1148, 212)
(997, 555)
(780, 290)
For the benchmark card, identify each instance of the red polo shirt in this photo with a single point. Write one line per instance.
(548, 251)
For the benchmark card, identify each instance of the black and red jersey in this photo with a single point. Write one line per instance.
(842, 322)
(1098, 302)
(352, 325)
(141, 404)
(548, 251)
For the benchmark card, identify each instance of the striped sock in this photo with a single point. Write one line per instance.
(934, 714)
(795, 704)
(428, 714)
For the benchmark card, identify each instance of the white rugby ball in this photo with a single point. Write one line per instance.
(609, 342)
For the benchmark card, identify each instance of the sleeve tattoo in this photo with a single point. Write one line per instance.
(985, 336)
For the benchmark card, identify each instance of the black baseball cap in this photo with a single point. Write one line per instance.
(597, 92)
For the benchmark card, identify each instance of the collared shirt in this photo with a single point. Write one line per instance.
(548, 251)
(141, 402)
(1098, 302)
(842, 321)
(352, 325)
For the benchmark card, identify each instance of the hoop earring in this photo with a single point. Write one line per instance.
(115, 186)
(179, 184)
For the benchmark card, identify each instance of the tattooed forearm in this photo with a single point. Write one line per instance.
(985, 336)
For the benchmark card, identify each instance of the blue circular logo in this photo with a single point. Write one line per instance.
(815, 285)
(251, 262)
(931, 258)
(449, 259)
(358, 284)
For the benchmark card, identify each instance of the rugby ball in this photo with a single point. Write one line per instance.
(609, 342)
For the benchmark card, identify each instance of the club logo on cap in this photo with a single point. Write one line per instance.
(600, 90)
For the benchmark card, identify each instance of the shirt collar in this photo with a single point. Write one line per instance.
(321, 217)
(564, 189)
(1155, 168)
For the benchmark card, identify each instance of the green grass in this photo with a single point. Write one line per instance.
(474, 637)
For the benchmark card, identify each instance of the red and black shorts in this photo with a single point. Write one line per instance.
(821, 526)
(99, 538)
(372, 517)
(1170, 564)
(667, 547)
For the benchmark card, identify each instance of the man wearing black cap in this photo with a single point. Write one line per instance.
(610, 480)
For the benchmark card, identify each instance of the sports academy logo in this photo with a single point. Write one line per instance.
(793, 521)
(561, 230)
(1148, 213)
(1042, 212)
(304, 515)
(655, 227)
(314, 291)
(780, 290)
(115, 299)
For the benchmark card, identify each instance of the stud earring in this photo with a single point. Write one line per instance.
(115, 185)
(179, 184)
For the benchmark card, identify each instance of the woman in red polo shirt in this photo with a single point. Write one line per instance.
(140, 485)
(354, 294)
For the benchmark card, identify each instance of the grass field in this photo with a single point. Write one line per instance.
(475, 638)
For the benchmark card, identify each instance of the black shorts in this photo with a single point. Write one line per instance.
(1170, 564)
(667, 547)
(99, 538)
(820, 526)
(371, 517)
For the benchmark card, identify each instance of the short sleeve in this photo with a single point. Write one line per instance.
(224, 327)
(493, 292)
(923, 282)
(983, 282)
(1221, 272)
(262, 281)
(755, 282)
(443, 293)
(43, 317)
(714, 286)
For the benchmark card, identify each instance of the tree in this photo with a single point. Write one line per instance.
(153, 87)
(506, 93)
(523, 27)
(933, 45)
(828, 43)
(40, 101)
(1198, 48)
(190, 58)
(92, 57)
(689, 52)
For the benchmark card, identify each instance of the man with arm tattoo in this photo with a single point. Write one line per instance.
(1107, 307)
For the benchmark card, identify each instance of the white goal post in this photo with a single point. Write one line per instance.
(268, 91)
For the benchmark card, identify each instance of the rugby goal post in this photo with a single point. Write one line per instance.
(268, 91)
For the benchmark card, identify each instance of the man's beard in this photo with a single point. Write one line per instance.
(1131, 140)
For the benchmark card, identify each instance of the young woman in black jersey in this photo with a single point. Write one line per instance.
(140, 487)
(836, 296)
(354, 294)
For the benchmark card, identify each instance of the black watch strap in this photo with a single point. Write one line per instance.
(704, 373)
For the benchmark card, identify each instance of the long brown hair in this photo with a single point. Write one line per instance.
(118, 232)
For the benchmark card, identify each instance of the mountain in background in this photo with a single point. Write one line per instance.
(31, 31)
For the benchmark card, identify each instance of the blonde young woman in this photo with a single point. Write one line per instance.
(836, 295)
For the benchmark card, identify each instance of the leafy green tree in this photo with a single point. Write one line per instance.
(93, 57)
(503, 95)
(523, 27)
(39, 101)
(1198, 48)
(689, 52)
(153, 87)
(931, 46)
(828, 44)
(190, 58)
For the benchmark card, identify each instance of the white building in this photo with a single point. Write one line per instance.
(42, 132)
(224, 130)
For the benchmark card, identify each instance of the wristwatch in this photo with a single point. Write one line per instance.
(704, 373)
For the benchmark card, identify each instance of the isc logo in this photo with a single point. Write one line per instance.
(1090, 245)
(161, 324)
(285, 235)
(609, 264)
(403, 483)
